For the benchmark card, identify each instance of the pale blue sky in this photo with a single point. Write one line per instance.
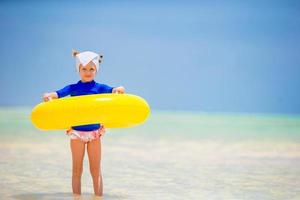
(219, 56)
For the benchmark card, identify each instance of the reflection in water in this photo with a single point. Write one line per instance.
(65, 196)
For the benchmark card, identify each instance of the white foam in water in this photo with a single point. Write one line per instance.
(172, 156)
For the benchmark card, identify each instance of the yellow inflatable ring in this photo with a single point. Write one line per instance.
(110, 110)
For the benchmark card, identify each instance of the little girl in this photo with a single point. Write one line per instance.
(87, 64)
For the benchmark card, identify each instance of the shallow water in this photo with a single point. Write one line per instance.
(175, 155)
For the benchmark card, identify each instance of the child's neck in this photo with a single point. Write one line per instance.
(83, 81)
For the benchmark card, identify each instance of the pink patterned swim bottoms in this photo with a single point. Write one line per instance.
(85, 136)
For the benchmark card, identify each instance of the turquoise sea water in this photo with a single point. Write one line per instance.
(174, 155)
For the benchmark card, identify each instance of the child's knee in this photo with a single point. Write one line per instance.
(95, 172)
(77, 172)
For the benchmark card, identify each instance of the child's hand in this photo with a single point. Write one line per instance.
(47, 97)
(119, 90)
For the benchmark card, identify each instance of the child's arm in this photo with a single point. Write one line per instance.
(50, 95)
(58, 94)
(119, 90)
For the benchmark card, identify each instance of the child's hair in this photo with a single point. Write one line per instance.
(74, 52)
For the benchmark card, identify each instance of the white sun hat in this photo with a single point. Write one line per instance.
(85, 57)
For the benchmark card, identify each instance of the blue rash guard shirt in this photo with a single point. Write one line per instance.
(84, 88)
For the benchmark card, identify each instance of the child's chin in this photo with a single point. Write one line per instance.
(88, 79)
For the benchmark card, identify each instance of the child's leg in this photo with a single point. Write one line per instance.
(94, 153)
(78, 149)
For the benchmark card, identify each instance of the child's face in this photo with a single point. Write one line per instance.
(88, 72)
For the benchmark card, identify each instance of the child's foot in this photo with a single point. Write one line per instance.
(76, 196)
(96, 197)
